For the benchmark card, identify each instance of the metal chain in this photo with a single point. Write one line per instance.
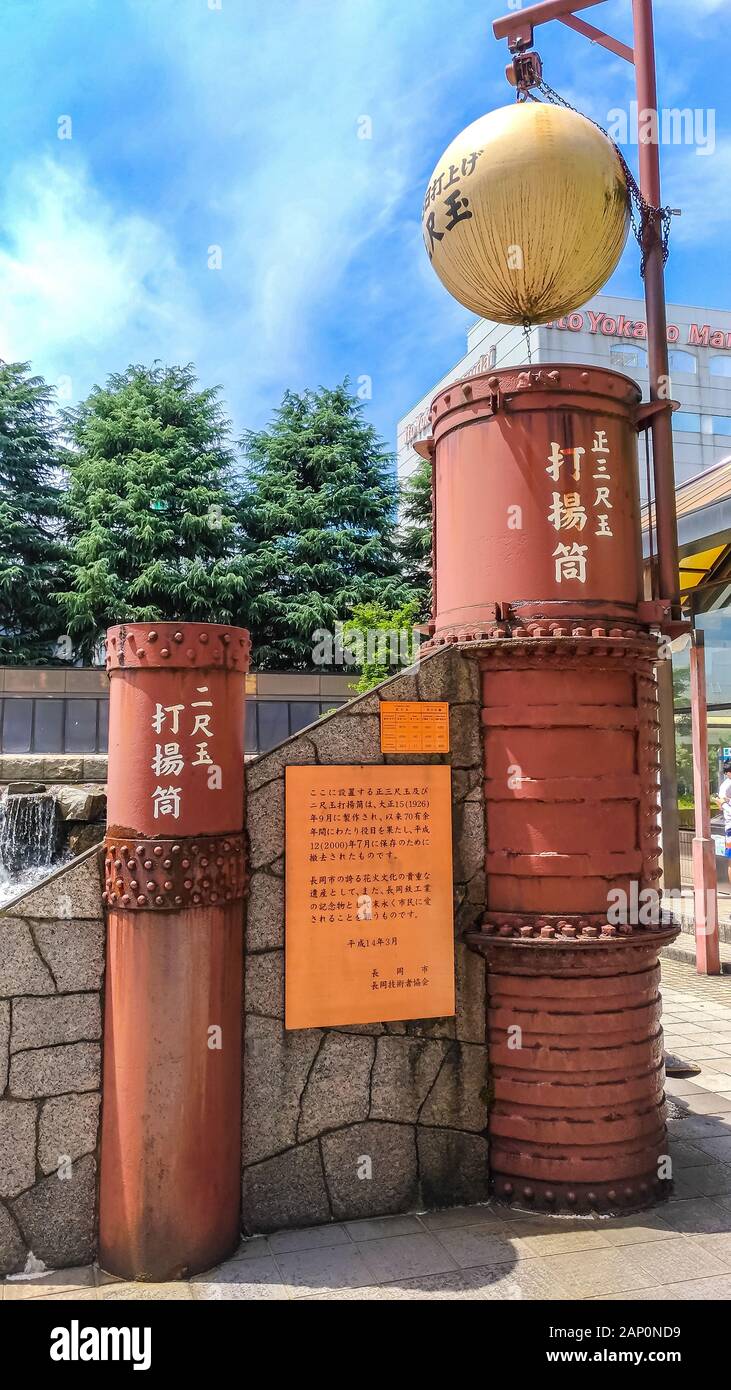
(642, 213)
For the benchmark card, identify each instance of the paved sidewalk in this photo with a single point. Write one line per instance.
(679, 1251)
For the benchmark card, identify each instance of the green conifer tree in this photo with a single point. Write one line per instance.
(415, 539)
(31, 545)
(319, 524)
(150, 509)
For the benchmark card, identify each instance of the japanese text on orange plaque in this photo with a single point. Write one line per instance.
(414, 726)
(369, 932)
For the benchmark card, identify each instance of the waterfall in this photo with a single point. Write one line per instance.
(29, 839)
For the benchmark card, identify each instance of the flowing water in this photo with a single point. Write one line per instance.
(29, 840)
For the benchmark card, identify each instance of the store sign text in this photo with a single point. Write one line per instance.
(699, 335)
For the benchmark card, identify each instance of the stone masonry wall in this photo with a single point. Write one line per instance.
(51, 973)
(410, 1096)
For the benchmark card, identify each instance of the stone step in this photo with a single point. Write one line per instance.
(724, 929)
(683, 949)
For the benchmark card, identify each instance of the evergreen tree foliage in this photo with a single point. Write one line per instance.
(415, 540)
(150, 509)
(319, 523)
(382, 640)
(31, 546)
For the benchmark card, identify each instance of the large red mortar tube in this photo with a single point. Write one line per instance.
(174, 879)
(538, 572)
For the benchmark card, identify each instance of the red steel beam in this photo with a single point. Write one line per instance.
(621, 50)
(666, 524)
(542, 13)
(707, 951)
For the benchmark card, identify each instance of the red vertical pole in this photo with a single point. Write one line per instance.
(174, 870)
(662, 431)
(705, 894)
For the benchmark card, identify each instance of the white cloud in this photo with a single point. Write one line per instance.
(78, 280)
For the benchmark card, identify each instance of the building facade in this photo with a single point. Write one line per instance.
(612, 332)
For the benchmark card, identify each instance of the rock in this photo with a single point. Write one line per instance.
(4, 1040)
(296, 753)
(12, 1249)
(464, 736)
(63, 768)
(68, 1128)
(369, 703)
(344, 739)
(458, 1097)
(75, 953)
(466, 784)
(22, 969)
(471, 996)
(401, 686)
(81, 803)
(337, 1091)
(94, 767)
(21, 767)
(73, 891)
(17, 1147)
(79, 841)
(51, 1071)
(264, 984)
(468, 840)
(288, 1190)
(453, 1168)
(265, 912)
(56, 1217)
(25, 788)
(370, 1169)
(265, 823)
(276, 1066)
(404, 1071)
(63, 1019)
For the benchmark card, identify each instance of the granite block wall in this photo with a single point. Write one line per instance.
(338, 1123)
(367, 1120)
(51, 975)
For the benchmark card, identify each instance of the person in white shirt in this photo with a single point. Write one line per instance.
(724, 796)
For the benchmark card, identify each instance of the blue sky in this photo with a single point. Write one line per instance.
(196, 126)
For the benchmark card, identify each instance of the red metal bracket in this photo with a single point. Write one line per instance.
(518, 29)
(661, 613)
(424, 447)
(647, 411)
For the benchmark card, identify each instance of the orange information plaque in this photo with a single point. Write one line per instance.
(414, 726)
(369, 933)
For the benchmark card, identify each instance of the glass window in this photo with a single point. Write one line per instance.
(17, 722)
(722, 424)
(273, 717)
(687, 420)
(80, 726)
(103, 726)
(302, 713)
(720, 366)
(250, 743)
(48, 726)
(679, 361)
(622, 355)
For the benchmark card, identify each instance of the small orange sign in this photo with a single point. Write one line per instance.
(414, 726)
(369, 931)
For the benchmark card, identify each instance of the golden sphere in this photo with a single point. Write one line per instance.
(526, 214)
